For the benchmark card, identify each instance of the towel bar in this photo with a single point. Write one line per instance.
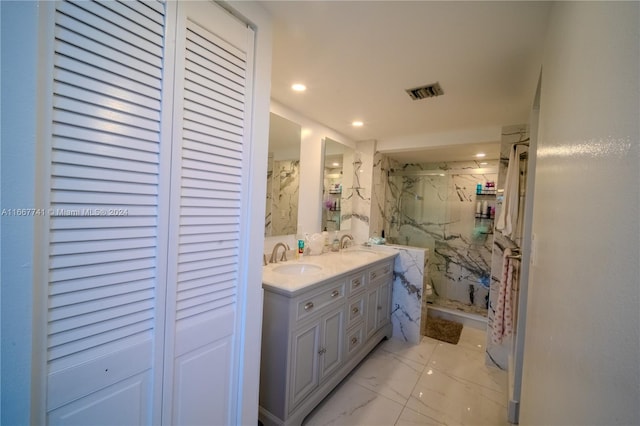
(515, 256)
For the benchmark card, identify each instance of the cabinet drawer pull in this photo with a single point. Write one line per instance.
(321, 351)
(356, 283)
(354, 340)
(335, 293)
(379, 308)
(373, 275)
(308, 306)
(355, 310)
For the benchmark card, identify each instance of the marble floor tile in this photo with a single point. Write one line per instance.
(453, 401)
(468, 365)
(473, 338)
(408, 417)
(432, 384)
(389, 375)
(352, 404)
(418, 353)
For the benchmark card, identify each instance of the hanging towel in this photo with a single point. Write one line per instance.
(508, 218)
(503, 318)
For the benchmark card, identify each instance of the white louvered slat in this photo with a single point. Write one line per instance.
(194, 142)
(78, 118)
(114, 87)
(105, 245)
(87, 73)
(97, 155)
(229, 56)
(95, 35)
(143, 8)
(67, 324)
(223, 280)
(115, 279)
(92, 235)
(118, 22)
(195, 83)
(103, 220)
(126, 55)
(83, 172)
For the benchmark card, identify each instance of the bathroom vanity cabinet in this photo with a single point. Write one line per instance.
(314, 337)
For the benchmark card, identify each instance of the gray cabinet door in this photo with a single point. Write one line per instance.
(384, 304)
(304, 371)
(371, 315)
(331, 351)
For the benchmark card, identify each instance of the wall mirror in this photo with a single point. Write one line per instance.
(337, 186)
(283, 177)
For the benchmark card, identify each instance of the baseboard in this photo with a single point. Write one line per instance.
(513, 411)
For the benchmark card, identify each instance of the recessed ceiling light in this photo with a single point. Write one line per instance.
(299, 87)
(480, 154)
(335, 164)
(357, 124)
(484, 163)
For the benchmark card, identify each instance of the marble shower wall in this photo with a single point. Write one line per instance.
(283, 183)
(381, 167)
(408, 305)
(497, 355)
(436, 210)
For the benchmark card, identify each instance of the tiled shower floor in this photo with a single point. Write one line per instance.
(433, 383)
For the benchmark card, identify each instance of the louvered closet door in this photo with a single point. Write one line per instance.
(103, 221)
(208, 195)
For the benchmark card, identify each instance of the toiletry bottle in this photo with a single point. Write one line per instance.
(479, 188)
(325, 237)
(300, 251)
(335, 246)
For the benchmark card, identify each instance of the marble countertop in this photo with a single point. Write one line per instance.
(332, 264)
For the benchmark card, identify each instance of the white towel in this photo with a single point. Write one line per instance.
(503, 318)
(508, 218)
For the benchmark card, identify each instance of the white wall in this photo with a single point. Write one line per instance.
(582, 348)
(431, 140)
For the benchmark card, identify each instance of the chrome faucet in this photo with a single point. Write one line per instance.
(343, 243)
(275, 252)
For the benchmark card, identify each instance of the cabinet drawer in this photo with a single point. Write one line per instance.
(381, 271)
(355, 311)
(355, 339)
(327, 298)
(355, 283)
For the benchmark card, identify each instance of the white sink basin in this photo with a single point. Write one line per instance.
(362, 253)
(297, 269)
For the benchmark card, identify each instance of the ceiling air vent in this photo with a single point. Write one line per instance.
(423, 92)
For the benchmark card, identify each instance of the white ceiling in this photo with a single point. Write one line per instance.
(358, 57)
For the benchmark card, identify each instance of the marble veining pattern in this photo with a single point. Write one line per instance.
(361, 191)
(437, 211)
(283, 183)
(430, 383)
(408, 291)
